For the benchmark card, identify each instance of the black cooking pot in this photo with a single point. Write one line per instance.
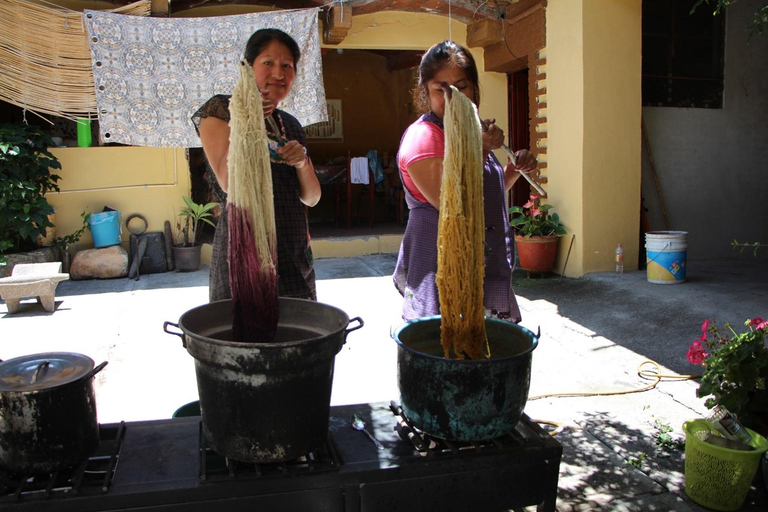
(265, 402)
(47, 412)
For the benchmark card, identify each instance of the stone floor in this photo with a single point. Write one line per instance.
(595, 333)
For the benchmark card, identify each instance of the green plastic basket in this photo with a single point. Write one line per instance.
(716, 477)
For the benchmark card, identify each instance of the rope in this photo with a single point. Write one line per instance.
(656, 376)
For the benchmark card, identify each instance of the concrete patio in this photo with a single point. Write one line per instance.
(595, 332)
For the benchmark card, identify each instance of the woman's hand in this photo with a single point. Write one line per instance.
(526, 161)
(293, 153)
(493, 136)
(267, 105)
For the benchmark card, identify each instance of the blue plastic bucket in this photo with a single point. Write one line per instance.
(666, 256)
(105, 228)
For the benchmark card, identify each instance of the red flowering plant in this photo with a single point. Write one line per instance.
(735, 370)
(534, 219)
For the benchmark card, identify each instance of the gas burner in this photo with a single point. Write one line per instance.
(164, 466)
(93, 476)
(431, 446)
(217, 467)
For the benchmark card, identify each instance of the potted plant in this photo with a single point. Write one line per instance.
(735, 370)
(186, 252)
(537, 232)
(25, 178)
(734, 379)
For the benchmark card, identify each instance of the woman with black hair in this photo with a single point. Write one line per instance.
(420, 161)
(274, 57)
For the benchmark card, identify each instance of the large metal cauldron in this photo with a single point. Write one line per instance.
(464, 400)
(265, 402)
(47, 412)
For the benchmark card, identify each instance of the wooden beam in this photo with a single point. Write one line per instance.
(337, 24)
(160, 8)
(484, 33)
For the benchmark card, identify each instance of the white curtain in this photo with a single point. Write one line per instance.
(152, 74)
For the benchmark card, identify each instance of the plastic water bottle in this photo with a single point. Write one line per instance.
(725, 423)
(619, 259)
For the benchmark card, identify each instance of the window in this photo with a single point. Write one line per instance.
(683, 55)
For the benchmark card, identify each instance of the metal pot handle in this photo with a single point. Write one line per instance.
(347, 331)
(95, 370)
(179, 334)
(40, 367)
(359, 320)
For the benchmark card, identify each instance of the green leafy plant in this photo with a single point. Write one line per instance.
(190, 219)
(754, 245)
(735, 369)
(637, 461)
(63, 241)
(665, 441)
(756, 25)
(535, 219)
(25, 178)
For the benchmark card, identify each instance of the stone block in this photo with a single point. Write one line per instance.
(32, 280)
(42, 255)
(102, 263)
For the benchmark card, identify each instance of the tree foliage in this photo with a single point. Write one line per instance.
(25, 178)
(755, 26)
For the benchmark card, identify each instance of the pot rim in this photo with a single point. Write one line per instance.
(12, 370)
(536, 237)
(488, 319)
(262, 346)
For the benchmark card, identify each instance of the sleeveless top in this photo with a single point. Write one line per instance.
(295, 266)
(416, 266)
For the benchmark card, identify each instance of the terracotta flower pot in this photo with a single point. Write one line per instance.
(537, 253)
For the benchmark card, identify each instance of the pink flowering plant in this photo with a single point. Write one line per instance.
(735, 369)
(534, 219)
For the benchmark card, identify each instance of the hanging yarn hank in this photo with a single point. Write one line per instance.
(252, 246)
(461, 232)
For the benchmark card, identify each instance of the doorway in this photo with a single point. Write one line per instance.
(519, 128)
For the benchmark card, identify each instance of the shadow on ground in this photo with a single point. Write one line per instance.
(657, 321)
(605, 459)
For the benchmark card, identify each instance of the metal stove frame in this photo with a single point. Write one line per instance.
(158, 469)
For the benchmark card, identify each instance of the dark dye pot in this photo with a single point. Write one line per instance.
(464, 400)
(265, 402)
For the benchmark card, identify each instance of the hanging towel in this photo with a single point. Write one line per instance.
(358, 170)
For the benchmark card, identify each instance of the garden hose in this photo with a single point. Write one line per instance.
(653, 373)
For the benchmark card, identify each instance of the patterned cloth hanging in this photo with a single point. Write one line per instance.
(152, 74)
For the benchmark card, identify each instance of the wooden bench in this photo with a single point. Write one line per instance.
(32, 280)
